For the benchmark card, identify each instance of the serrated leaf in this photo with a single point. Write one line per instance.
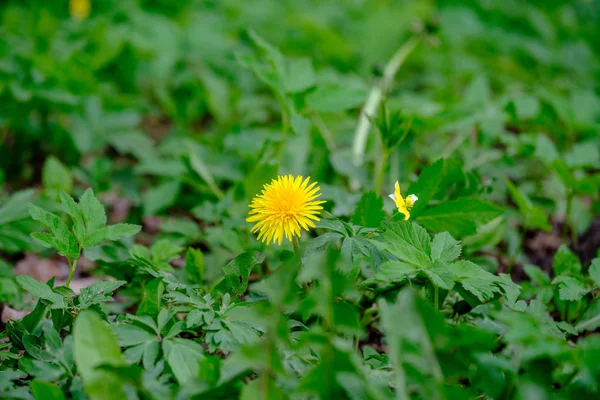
(93, 212)
(73, 210)
(63, 240)
(476, 280)
(41, 290)
(445, 248)
(459, 217)
(369, 211)
(112, 232)
(45, 239)
(570, 288)
(98, 293)
(566, 262)
(408, 242)
(396, 271)
(441, 275)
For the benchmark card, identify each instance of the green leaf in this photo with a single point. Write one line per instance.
(476, 280)
(15, 208)
(426, 186)
(93, 345)
(537, 275)
(56, 178)
(459, 217)
(41, 290)
(347, 93)
(98, 293)
(237, 272)
(570, 288)
(444, 248)
(45, 390)
(160, 197)
(594, 271)
(204, 172)
(45, 239)
(132, 335)
(112, 232)
(590, 321)
(369, 211)
(535, 217)
(396, 271)
(441, 275)
(152, 297)
(545, 149)
(93, 212)
(299, 75)
(73, 210)
(406, 325)
(184, 358)
(194, 265)
(62, 239)
(584, 154)
(408, 242)
(566, 262)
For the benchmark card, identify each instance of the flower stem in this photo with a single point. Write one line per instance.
(296, 243)
(72, 265)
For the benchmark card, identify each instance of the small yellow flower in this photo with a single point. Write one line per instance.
(79, 9)
(284, 206)
(404, 205)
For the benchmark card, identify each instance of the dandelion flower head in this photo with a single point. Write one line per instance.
(404, 204)
(285, 207)
(80, 9)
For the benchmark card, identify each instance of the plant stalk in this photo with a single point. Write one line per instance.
(375, 97)
(296, 243)
(72, 265)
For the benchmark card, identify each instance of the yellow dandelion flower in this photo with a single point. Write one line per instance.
(284, 206)
(404, 205)
(79, 9)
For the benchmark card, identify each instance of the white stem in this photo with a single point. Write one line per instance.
(374, 99)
